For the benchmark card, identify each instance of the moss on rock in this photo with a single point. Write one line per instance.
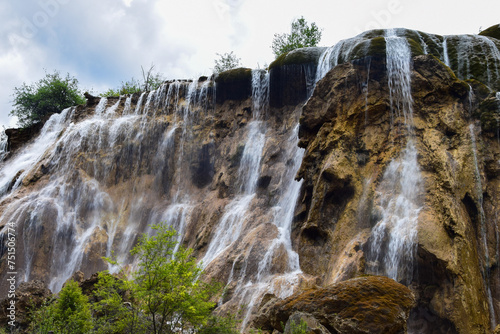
(370, 304)
(493, 31)
(234, 75)
(235, 84)
(299, 56)
(489, 114)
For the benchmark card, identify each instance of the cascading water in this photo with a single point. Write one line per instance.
(13, 173)
(446, 58)
(284, 211)
(230, 226)
(394, 236)
(3, 145)
(337, 54)
(486, 268)
(83, 207)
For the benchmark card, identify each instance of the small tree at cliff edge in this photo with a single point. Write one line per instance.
(302, 35)
(32, 103)
(225, 62)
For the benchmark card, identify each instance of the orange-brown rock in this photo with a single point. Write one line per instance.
(371, 304)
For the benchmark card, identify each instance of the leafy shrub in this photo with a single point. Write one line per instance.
(51, 94)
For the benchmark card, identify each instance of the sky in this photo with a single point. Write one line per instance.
(105, 42)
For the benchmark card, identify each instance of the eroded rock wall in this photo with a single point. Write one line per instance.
(351, 136)
(218, 163)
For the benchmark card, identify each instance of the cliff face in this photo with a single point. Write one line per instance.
(352, 138)
(391, 167)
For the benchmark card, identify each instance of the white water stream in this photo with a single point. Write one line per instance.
(394, 237)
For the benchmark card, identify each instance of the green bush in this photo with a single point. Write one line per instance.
(33, 103)
(68, 314)
(151, 81)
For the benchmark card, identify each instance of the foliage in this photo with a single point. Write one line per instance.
(221, 325)
(70, 313)
(167, 284)
(300, 328)
(111, 313)
(301, 35)
(226, 62)
(51, 94)
(166, 296)
(42, 319)
(150, 81)
(128, 87)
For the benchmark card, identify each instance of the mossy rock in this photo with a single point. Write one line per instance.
(489, 114)
(373, 33)
(372, 304)
(299, 56)
(493, 31)
(480, 89)
(471, 57)
(292, 76)
(234, 75)
(377, 47)
(235, 84)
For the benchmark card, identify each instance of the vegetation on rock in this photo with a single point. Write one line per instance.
(35, 102)
(225, 62)
(302, 35)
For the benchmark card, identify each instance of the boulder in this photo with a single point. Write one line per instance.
(371, 304)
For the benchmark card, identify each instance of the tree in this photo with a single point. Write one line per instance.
(165, 296)
(301, 35)
(69, 314)
(167, 283)
(225, 62)
(51, 94)
(111, 314)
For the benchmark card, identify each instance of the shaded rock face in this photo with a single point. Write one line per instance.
(220, 162)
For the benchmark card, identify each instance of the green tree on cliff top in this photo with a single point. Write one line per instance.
(302, 35)
(51, 94)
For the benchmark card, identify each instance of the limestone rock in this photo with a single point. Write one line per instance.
(369, 304)
(312, 326)
(28, 296)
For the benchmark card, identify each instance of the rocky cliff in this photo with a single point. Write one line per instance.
(377, 156)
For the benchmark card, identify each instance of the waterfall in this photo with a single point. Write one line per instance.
(337, 54)
(485, 271)
(3, 145)
(109, 177)
(235, 213)
(13, 173)
(446, 58)
(284, 212)
(394, 237)
(260, 92)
